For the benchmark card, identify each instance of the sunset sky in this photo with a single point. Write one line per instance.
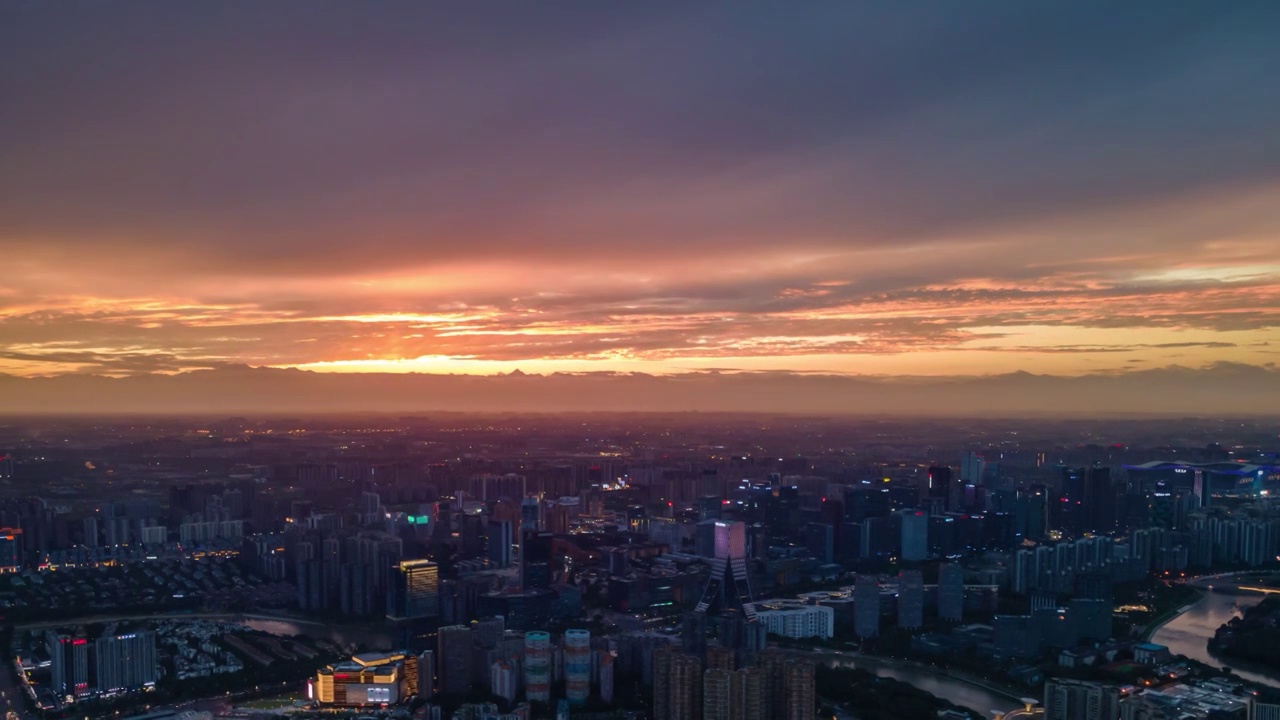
(883, 188)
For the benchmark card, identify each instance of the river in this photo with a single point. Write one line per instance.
(959, 692)
(337, 634)
(1189, 633)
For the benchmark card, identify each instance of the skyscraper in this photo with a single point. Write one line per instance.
(866, 606)
(415, 591)
(71, 668)
(717, 694)
(939, 485)
(537, 666)
(535, 560)
(951, 592)
(662, 659)
(577, 665)
(755, 705)
(498, 543)
(801, 698)
(915, 535)
(125, 662)
(728, 592)
(910, 599)
(454, 656)
(685, 702)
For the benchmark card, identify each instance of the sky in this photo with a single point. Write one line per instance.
(854, 188)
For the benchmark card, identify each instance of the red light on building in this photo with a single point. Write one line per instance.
(79, 641)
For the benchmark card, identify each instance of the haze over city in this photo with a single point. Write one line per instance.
(956, 191)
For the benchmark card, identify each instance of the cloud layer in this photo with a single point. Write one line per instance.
(858, 188)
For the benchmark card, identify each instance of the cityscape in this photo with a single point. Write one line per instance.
(598, 566)
(582, 360)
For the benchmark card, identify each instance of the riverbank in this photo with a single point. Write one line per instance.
(1170, 615)
(1188, 634)
(176, 615)
(958, 687)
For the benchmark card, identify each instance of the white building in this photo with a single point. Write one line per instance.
(794, 619)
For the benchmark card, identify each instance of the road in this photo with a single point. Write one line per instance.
(13, 698)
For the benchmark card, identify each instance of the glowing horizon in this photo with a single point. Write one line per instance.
(777, 193)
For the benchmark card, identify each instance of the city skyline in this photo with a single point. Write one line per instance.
(1076, 190)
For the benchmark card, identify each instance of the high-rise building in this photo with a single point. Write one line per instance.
(939, 485)
(427, 673)
(910, 599)
(801, 697)
(502, 680)
(915, 535)
(499, 541)
(10, 550)
(951, 592)
(717, 694)
(728, 585)
(454, 657)
(866, 606)
(773, 665)
(71, 667)
(605, 663)
(577, 665)
(415, 591)
(1077, 700)
(535, 560)
(125, 662)
(537, 666)
(685, 687)
(720, 658)
(662, 659)
(755, 704)
(971, 468)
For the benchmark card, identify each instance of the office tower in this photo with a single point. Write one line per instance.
(728, 588)
(487, 633)
(415, 590)
(427, 673)
(454, 656)
(971, 468)
(535, 560)
(951, 592)
(499, 540)
(939, 486)
(605, 663)
(910, 599)
(685, 701)
(537, 666)
(71, 667)
(866, 606)
(798, 688)
(865, 502)
(530, 514)
(125, 662)
(820, 539)
(577, 665)
(1077, 700)
(915, 535)
(1099, 501)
